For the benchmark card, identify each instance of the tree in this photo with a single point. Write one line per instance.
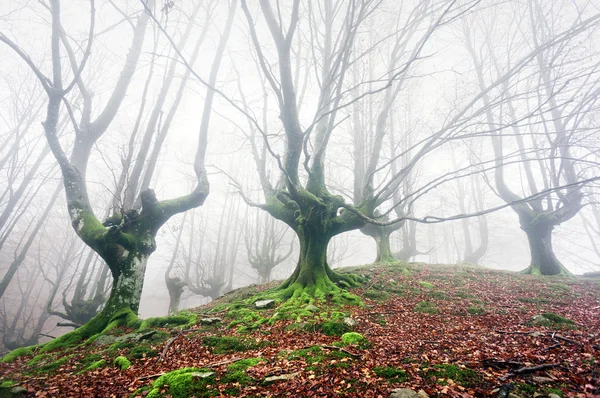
(557, 100)
(126, 240)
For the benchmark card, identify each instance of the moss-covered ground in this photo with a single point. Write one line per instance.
(446, 330)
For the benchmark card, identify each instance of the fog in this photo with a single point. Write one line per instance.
(456, 131)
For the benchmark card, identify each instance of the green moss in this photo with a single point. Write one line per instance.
(557, 319)
(353, 338)
(331, 328)
(464, 295)
(426, 307)
(166, 321)
(244, 364)
(246, 317)
(141, 351)
(377, 295)
(315, 355)
(19, 352)
(439, 295)
(184, 383)
(122, 363)
(52, 366)
(534, 300)
(426, 285)
(94, 365)
(7, 384)
(229, 344)
(395, 375)
(239, 376)
(462, 376)
(475, 310)
(37, 359)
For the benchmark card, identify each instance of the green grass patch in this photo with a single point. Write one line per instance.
(534, 300)
(19, 352)
(439, 295)
(93, 366)
(462, 376)
(426, 285)
(244, 364)
(391, 374)
(464, 295)
(426, 307)
(377, 295)
(475, 310)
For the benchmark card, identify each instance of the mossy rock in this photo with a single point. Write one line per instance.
(244, 364)
(353, 338)
(331, 328)
(142, 351)
(185, 382)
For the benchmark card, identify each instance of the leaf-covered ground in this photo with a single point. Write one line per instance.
(447, 330)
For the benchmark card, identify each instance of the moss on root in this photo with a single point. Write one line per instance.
(19, 352)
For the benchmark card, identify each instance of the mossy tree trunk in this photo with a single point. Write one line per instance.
(543, 259)
(381, 235)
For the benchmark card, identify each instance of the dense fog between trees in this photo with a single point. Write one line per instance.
(156, 154)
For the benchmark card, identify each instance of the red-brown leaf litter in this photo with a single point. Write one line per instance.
(456, 331)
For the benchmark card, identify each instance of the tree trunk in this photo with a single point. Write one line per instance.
(175, 287)
(543, 259)
(384, 252)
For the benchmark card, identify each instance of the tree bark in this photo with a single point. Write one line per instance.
(543, 259)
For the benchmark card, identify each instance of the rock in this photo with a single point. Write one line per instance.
(18, 391)
(312, 308)
(263, 304)
(511, 395)
(403, 393)
(129, 337)
(201, 375)
(104, 339)
(350, 321)
(542, 379)
(553, 396)
(289, 376)
(210, 321)
(536, 334)
(422, 394)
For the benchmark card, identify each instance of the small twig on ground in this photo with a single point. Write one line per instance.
(559, 337)
(532, 369)
(499, 363)
(509, 332)
(210, 365)
(151, 376)
(169, 342)
(552, 347)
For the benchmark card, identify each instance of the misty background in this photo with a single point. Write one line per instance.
(223, 244)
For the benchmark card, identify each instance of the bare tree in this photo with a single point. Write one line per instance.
(124, 245)
(557, 100)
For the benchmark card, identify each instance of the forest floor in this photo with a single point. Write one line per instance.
(455, 331)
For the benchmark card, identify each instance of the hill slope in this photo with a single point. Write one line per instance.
(446, 330)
